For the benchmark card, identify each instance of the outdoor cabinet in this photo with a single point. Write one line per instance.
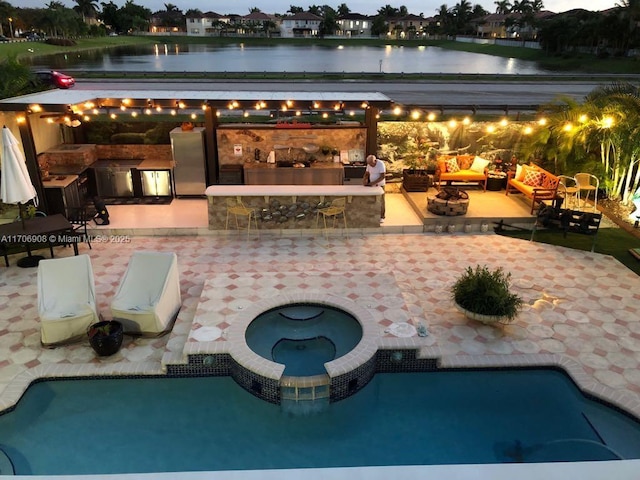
(156, 183)
(63, 194)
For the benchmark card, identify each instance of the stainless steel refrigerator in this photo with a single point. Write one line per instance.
(188, 149)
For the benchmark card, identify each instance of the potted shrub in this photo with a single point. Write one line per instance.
(484, 295)
(418, 176)
(105, 337)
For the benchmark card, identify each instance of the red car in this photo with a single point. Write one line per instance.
(57, 79)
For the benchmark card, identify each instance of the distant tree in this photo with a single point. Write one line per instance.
(537, 5)
(86, 8)
(502, 6)
(388, 11)
(462, 13)
(478, 11)
(630, 14)
(328, 25)
(109, 15)
(268, 26)
(134, 17)
(293, 10)
(193, 12)
(254, 10)
(63, 21)
(402, 11)
(445, 20)
(315, 9)
(6, 11)
(171, 17)
(522, 6)
(379, 26)
(343, 9)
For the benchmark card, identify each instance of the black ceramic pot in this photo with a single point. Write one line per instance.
(106, 337)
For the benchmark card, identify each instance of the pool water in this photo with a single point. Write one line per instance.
(303, 337)
(304, 357)
(198, 424)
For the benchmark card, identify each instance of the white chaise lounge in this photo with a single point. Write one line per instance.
(66, 299)
(148, 298)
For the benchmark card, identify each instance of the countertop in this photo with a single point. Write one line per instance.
(59, 181)
(313, 166)
(151, 164)
(275, 190)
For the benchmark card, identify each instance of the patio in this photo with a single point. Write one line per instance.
(581, 308)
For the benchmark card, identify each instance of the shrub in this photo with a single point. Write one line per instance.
(486, 292)
(127, 138)
(61, 42)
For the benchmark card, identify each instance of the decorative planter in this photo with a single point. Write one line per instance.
(106, 337)
(486, 319)
(416, 180)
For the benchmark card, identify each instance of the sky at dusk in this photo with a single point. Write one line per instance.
(366, 7)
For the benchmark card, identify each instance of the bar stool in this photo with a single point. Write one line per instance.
(568, 188)
(588, 183)
(237, 209)
(333, 211)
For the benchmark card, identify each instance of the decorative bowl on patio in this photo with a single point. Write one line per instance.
(484, 295)
(105, 337)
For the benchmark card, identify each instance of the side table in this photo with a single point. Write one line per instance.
(495, 184)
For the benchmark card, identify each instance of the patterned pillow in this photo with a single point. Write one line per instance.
(532, 178)
(452, 165)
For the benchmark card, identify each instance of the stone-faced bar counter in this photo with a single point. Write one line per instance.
(295, 204)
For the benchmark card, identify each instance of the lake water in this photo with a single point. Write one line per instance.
(283, 58)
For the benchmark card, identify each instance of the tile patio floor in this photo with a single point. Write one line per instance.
(582, 309)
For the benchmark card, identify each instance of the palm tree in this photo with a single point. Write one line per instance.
(444, 18)
(343, 9)
(388, 11)
(617, 129)
(462, 12)
(502, 6)
(86, 9)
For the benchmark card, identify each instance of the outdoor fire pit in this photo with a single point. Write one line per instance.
(449, 202)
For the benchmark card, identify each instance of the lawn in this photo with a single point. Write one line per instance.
(609, 241)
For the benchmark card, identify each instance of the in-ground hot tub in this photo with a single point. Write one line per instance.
(303, 337)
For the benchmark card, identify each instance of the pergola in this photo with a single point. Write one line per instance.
(72, 107)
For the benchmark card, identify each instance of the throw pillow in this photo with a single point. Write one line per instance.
(479, 164)
(532, 178)
(452, 165)
(519, 172)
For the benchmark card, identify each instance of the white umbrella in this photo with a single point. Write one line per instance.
(16, 186)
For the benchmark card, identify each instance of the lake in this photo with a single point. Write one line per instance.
(284, 58)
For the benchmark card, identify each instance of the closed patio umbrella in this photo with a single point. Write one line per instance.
(16, 186)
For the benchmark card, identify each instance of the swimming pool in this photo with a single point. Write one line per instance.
(197, 424)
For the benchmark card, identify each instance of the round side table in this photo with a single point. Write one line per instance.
(495, 184)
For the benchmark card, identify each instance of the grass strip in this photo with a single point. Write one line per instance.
(609, 241)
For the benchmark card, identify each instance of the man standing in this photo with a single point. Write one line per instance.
(374, 177)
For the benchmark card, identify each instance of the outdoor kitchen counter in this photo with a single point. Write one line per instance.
(319, 173)
(153, 164)
(362, 204)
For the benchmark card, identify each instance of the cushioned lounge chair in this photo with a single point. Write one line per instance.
(148, 298)
(66, 299)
